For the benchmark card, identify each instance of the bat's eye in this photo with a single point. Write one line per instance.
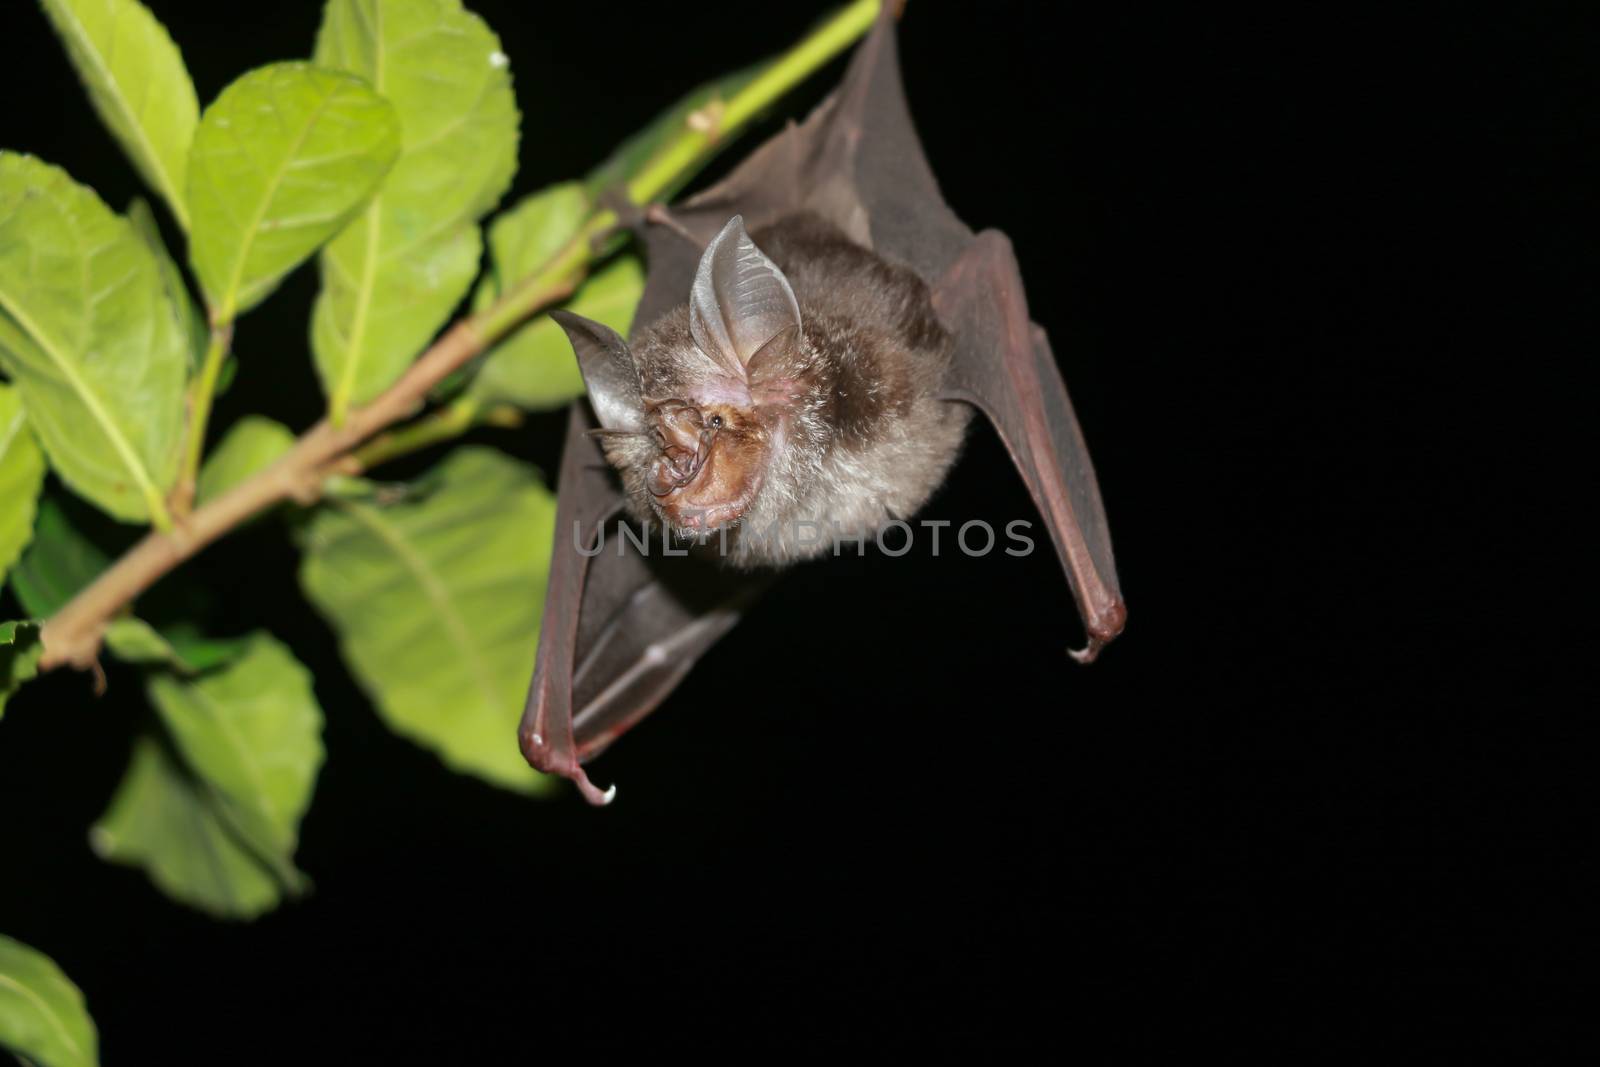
(716, 422)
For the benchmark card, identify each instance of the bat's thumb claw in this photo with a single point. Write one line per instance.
(558, 760)
(1103, 629)
(592, 793)
(1088, 653)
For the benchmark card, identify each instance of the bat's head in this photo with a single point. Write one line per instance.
(695, 411)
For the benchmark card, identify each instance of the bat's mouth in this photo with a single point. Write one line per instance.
(708, 471)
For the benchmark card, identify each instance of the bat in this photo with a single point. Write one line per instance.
(804, 386)
(815, 333)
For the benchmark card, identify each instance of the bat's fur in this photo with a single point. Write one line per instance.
(845, 432)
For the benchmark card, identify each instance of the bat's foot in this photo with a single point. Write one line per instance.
(659, 215)
(630, 218)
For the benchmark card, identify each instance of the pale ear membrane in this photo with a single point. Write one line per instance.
(608, 371)
(740, 299)
(775, 358)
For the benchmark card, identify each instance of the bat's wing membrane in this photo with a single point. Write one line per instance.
(859, 158)
(645, 621)
(621, 626)
(586, 500)
(855, 160)
(1003, 366)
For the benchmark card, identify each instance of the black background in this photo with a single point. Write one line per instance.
(1299, 270)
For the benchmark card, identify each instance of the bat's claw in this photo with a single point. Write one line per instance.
(548, 760)
(1102, 631)
(594, 795)
(1088, 653)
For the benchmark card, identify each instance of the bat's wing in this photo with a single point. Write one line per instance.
(1004, 367)
(857, 162)
(621, 626)
(586, 501)
(620, 631)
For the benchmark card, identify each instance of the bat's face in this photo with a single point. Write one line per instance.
(695, 411)
(729, 412)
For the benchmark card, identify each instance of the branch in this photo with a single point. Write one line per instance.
(72, 636)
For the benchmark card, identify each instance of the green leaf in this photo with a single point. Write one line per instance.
(215, 819)
(253, 731)
(167, 821)
(281, 162)
(630, 158)
(42, 1014)
(436, 600)
(21, 475)
(137, 83)
(188, 314)
(198, 651)
(20, 650)
(90, 338)
(534, 368)
(252, 445)
(523, 239)
(391, 279)
(133, 640)
(58, 562)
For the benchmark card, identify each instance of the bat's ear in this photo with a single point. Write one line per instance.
(608, 371)
(776, 358)
(740, 299)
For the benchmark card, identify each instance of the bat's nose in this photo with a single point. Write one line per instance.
(674, 468)
(679, 423)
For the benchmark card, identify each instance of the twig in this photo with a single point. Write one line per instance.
(201, 394)
(452, 420)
